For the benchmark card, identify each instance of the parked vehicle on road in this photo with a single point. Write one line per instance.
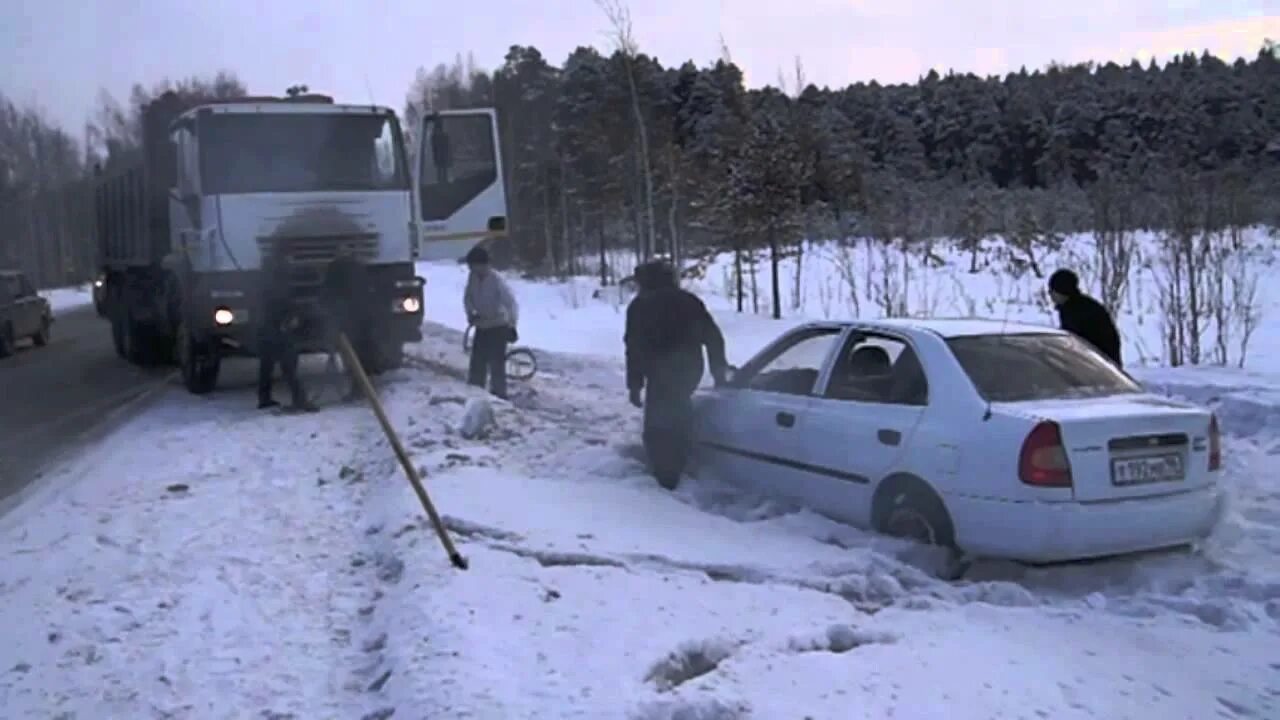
(23, 313)
(996, 439)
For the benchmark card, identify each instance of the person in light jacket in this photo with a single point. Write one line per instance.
(493, 312)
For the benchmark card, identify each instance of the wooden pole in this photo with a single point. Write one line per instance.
(353, 362)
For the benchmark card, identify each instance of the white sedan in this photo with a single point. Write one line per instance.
(992, 438)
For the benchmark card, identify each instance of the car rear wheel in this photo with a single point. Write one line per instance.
(906, 507)
(6, 341)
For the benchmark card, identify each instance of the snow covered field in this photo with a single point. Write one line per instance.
(216, 562)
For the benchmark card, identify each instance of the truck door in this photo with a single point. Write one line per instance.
(458, 182)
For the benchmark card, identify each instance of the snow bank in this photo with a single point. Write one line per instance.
(602, 594)
(191, 566)
(862, 280)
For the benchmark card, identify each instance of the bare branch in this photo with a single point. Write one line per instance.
(619, 17)
(725, 55)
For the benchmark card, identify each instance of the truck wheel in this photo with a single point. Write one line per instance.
(6, 341)
(142, 342)
(377, 358)
(41, 338)
(198, 361)
(390, 356)
(117, 332)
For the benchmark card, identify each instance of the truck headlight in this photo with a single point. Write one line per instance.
(223, 317)
(410, 305)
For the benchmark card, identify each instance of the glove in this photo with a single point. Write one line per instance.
(512, 335)
(635, 398)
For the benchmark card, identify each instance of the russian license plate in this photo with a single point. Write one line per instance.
(1166, 467)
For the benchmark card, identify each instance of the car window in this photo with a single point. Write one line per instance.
(24, 287)
(1014, 368)
(794, 368)
(878, 369)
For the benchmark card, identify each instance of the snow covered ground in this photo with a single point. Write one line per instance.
(212, 562)
(68, 298)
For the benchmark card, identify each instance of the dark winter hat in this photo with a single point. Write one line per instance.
(655, 274)
(1064, 282)
(477, 256)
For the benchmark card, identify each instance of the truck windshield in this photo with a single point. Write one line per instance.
(300, 152)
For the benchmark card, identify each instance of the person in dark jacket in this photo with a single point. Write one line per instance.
(279, 322)
(667, 329)
(344, 292)
(1084, 316)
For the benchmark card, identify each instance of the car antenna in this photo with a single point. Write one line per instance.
(1004, 325)
(368, 88)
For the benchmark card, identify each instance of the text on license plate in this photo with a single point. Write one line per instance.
(1147, 469)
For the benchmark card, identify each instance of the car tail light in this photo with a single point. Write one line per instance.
(1215, 444)
(1043, 460)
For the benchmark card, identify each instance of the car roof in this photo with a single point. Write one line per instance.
(957, 327)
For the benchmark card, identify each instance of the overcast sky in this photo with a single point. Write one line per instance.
(59, 53)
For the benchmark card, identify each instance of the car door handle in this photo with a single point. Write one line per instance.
(785, 419)
(889, 437)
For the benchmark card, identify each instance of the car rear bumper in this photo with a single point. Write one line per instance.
(1042, 532)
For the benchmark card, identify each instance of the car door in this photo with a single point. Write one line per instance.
(761, 418)
(458, 183)
(863, 421)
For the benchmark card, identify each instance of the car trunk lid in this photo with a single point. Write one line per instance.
(1129, 446)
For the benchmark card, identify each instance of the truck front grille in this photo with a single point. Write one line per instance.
(309, 255)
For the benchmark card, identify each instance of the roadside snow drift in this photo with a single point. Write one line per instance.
(212, 561)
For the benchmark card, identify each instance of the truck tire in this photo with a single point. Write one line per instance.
(198, 362)
(142, 344)
(390, 356)
(117, 332)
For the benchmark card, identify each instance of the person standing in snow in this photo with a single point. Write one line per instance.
(1084, 316)
(492, 310)
(279, 322)
(667, 329)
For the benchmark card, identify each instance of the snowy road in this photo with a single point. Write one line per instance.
(51, 396)
(285, 571)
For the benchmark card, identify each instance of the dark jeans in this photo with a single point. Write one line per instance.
(279, 351)
(489, 358)
(668, 432)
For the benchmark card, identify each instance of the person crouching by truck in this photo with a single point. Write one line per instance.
(345, 299)
(492, 310)
(277, 330)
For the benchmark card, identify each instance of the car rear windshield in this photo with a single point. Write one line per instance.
(1015, 368)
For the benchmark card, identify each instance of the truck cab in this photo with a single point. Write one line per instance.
(235, 182)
